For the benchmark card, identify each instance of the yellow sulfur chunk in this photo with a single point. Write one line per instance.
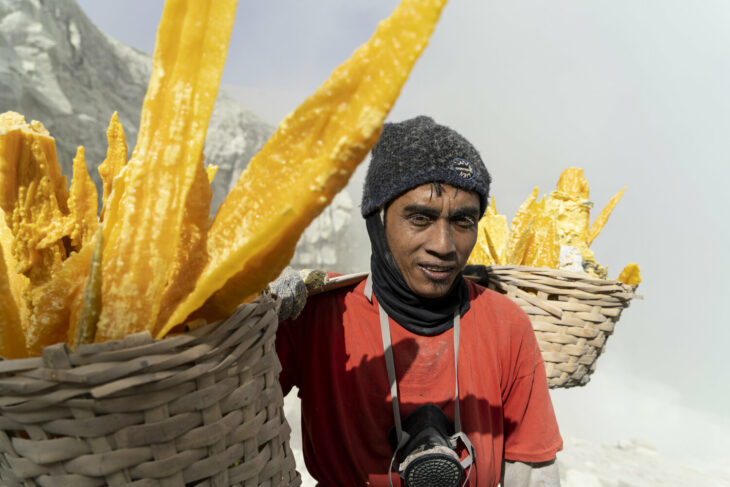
(305, 163)
(517, 254)
(81, 222)
(12, 339)
(192, 255)
(493, 252)
(573, 216)
(33, 196)
(571, 206)
(211, 171)
(55, 304)
(82, 204)
(631, 275)
(541, 229)
(521, 228)
(17, 281)
(116, 158)
(159, 215)
(543, 249)
(492, 238)
(480, 254)
(573, 182)
(497, 231)
(599, 222)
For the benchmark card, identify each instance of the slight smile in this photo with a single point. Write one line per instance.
(437, 272)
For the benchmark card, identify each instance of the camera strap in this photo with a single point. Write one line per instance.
(390, 363)
(390, 366)
(402, 436)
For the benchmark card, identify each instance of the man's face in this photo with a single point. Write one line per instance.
(432, 235)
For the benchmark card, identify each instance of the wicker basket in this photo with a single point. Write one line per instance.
(572, 315)
(203, 408)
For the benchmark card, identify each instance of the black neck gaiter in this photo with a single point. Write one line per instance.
(422, 316)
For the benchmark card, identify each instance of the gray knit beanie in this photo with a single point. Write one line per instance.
(419, 151)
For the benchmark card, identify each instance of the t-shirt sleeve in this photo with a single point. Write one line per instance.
(530, 428)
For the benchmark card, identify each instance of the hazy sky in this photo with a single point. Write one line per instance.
(637, 93)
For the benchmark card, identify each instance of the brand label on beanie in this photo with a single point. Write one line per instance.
(463, 168)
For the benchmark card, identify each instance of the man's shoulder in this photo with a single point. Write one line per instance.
(499, 307)
(346, 292)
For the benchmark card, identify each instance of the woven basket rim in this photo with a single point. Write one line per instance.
(562, 273)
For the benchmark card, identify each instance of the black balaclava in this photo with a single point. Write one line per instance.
(408, 154)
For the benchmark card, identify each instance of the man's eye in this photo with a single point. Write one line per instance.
(419, 220)
(466, 222)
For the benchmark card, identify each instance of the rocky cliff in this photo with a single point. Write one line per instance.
(57, 67)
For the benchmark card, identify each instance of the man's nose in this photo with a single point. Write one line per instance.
(441, 241)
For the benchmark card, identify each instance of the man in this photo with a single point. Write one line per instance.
(376, 363)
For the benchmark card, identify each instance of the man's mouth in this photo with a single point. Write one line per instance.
(436, 272)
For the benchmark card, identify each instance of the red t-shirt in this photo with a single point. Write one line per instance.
(334, 353)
